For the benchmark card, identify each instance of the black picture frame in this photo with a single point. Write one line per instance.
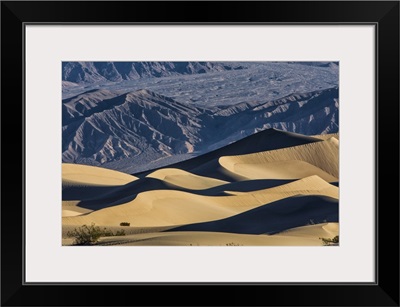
(383, 14)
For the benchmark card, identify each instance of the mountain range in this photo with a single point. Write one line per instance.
(129, 131)
(94, 72)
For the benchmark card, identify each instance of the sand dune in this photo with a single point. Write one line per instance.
(335, 141)
(82, 182)
(157, 208)
(275, 217)
(70, 203)
(70, 213)
(269, 139)
(95, 198)
(263, 190)
(289, 169)
(301, 236)
(84, 175)
(322, 155)
(326, 136)
(112, 196)
(166, 207)
(185, 179)
(71, 208)
(328, 230)
(312, 185)
(242, 187)
(122, 194)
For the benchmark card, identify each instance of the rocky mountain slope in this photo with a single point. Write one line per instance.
(102, 127)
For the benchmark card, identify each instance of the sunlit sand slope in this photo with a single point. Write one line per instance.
(82, 182)
(185, 179)
(326, 136)
(77, 174)
(320, 158)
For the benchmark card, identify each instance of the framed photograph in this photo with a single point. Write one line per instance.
(242, 145)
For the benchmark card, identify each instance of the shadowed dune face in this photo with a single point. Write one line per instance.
(284, 194)
(275, 217)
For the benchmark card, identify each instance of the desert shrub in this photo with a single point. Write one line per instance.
(124, 224)
(107, 233)
(328, 241)
(233, 244)
(86, 235)
(120, 233)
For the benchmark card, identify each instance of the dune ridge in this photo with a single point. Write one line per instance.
(186, 179)
(327, 136)
(323, 155)
(84, 175)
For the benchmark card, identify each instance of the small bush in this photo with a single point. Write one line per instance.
(107, 233)
(86, 235)
(124, 224)
(89, 235)
(120, 233)
(233, 244)
(328, 241)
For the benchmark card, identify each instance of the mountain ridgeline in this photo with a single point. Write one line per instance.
(102, 127)
(94, 72)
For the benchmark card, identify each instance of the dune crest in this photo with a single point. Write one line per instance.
(186, 179)
(289, 169)
(323, 155)
(327, 136)
(312, 185)
(84, 175)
